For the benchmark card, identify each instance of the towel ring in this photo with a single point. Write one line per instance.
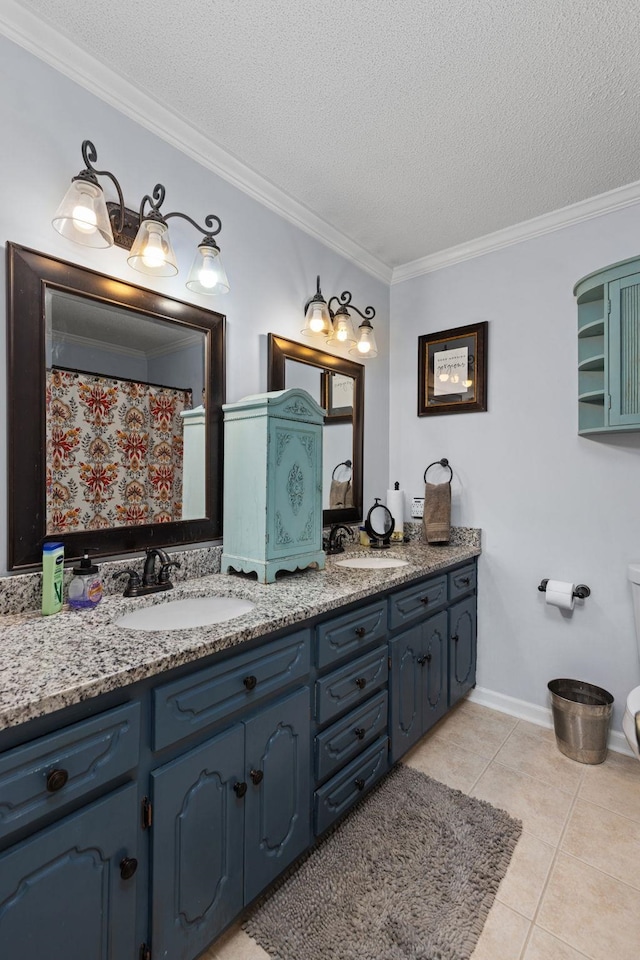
(442, 463)
(345, 463)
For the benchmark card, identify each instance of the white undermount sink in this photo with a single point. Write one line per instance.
(372, 563)
(183, 614)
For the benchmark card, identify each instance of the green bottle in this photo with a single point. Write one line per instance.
(52, 577)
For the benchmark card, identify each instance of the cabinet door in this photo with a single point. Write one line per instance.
(294, 492)
(624, 351)
(406, 691)
(197, 838)
(62, 896)
(434, 669)
(278, 801)
(462, 648)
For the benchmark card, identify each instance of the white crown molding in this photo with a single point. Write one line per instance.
(527, 230)
(47, 44)
(542, 716)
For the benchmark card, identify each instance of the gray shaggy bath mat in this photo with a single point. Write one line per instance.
(410, 874)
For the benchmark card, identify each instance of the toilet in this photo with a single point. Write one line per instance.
(631, 719)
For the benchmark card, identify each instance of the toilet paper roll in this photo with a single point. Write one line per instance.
(395, 503)
(559, 593)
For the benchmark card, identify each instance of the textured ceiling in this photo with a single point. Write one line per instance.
(409, 126)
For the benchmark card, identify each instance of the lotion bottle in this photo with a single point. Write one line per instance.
(52, 577)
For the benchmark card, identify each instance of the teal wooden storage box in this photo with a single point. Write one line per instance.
(273, 484)
(609, 349)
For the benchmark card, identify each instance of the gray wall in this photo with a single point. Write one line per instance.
(550, 503)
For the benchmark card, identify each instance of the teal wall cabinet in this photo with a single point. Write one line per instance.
(609, 349)
(273, 484)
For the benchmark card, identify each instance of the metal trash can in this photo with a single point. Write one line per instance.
(581, 718)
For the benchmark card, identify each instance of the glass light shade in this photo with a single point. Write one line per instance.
(152, 252)
(342, 329)
(207, 275)
(317, 320)
(82, 216)
(366, 347)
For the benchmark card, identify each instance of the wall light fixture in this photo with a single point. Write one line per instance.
(86, 217)
(335, 326)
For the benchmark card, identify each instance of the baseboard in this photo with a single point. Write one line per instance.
(536, 714)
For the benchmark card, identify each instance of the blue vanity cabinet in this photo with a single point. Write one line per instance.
(68, 892)
(229, 816)
(273, 484)
(609, 349)
(433, 661)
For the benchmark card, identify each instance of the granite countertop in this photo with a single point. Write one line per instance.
(47, 663)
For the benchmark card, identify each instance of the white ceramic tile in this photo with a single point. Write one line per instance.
(605, 840)
(503, 936)
(522, 886)
(532, 750)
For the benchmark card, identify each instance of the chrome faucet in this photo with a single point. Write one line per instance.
(152, 581)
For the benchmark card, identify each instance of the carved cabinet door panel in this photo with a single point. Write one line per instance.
(294, 480)
(197, 845)
(278, 801)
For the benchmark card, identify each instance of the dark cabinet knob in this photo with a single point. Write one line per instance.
(128, 866)
(465, 580)
(424, 600)
(421, 661)
(240, 788)
(360, 733)
(455, 637)
(56, 780)
(250, 682)
(256, 776)
(361, 682)
(360, 631)
(360, 783)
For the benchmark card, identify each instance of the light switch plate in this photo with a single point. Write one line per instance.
(417, 508)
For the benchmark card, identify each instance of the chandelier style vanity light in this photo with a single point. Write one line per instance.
(336, 326)
(86, 217)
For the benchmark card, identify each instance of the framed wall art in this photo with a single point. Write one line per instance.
(452, 370)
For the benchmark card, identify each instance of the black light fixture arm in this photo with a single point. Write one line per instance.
(345, 301)
(90, 156)
(207, 231)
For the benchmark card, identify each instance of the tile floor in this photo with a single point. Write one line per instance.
(573, 887)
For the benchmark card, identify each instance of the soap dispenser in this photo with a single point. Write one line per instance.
(85, 589)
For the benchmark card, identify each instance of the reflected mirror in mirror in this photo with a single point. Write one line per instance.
(126, 409)
(338, 386)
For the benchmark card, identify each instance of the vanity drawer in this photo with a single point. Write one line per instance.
(350, 685)
(348, 635)
(332, 800)
(414, 603)
(350, 736)
(47, 774)
(211, 695)
(462, 581)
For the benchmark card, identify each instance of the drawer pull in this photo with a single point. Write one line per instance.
(455, 637)
(250, 682)
(240, 788)
(360, 631)
(360, 733)
(256, 776)
(424, 600)
(56, 780)
(465, 580)
(360, 783)
(361, 682)
(128, 866)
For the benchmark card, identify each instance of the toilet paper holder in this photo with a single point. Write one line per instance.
(582, 591)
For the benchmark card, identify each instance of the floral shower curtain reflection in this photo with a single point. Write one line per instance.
(114, 452)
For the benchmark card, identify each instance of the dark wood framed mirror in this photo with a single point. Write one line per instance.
(293, 364)
(101, 374)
